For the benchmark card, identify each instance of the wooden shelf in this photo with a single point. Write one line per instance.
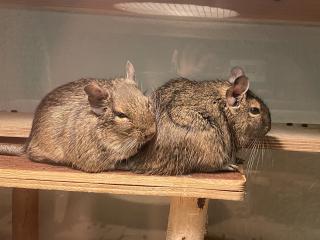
(281, 137)
(294, 138)
(297, 11)
(19, 172)
(15, 124)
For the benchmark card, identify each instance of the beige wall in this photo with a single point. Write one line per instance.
(41, 50)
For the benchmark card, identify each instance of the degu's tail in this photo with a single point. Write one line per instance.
(12, 149)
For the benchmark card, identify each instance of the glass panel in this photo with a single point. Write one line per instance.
(41, 50)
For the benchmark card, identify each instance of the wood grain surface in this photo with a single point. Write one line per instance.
(15, 124)
(20, 172)
(187, 219)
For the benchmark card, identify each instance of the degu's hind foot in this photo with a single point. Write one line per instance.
(230, 168)
(40, 159)
(36, 154)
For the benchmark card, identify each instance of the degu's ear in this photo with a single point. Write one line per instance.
(237, 90)
(130, 73)
(96, 97)
(235, 73)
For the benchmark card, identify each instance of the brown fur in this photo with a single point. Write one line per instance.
(197, 131)
(67, 130)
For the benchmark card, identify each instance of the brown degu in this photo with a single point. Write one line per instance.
(201, 125)
(90, 124)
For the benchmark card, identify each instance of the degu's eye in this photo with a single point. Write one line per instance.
(254, 110)
(120, 115)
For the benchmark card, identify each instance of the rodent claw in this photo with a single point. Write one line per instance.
(231, 168)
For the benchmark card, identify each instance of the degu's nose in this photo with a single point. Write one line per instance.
(267, 123)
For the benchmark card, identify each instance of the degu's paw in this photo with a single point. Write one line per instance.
(231, 168)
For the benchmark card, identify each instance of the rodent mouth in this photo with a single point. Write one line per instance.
(139, 146)
(148, 137)
(267, 129)
(253, 139)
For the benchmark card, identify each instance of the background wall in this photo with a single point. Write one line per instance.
(41, 50)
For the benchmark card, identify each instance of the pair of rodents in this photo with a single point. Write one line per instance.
(186, 126)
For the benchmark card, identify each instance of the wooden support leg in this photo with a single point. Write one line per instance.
(187, 218)
(25, 214)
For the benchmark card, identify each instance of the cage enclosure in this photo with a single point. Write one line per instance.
(45, 44)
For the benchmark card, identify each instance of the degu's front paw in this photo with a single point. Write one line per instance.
(230, 168)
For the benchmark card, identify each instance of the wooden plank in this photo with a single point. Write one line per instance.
(15, 124)
(22, 168)
(281, 136)
(123, 190)
(23, 173)
(294, 138)
(297, 11)
(25, 214)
